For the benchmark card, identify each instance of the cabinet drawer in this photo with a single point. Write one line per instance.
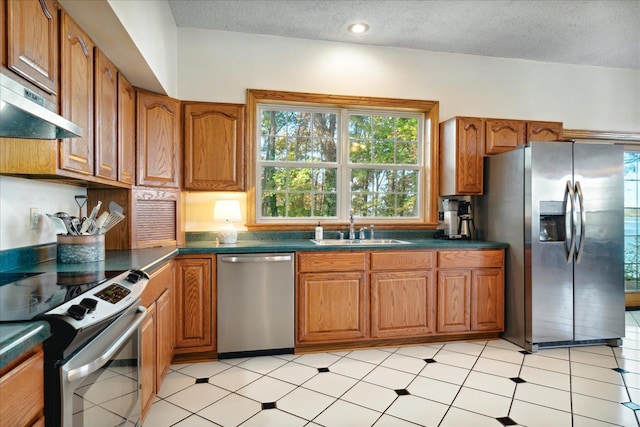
(471, 258)
(406, 260)
(334, 261)
(22, 392)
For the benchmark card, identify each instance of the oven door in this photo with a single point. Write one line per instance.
(100, 384)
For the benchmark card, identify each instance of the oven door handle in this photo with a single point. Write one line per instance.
(97, 363)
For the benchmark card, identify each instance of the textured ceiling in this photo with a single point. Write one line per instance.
(602, 33)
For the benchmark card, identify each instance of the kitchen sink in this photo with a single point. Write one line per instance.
(358, 242)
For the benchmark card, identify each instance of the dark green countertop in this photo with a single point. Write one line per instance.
(257, 246)
(141, 259)
(18, 338)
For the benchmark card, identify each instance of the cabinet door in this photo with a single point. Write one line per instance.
(148, 359)
(32, 41)
(126, 131)
(468, 168)
(22, 392)
(214, 156)
(487, 300)
(544, 131)
(194, 305)
(453, 313)
(504, 135)
(158, 129)
(164, 336)
(106, 117)
(402, 304)
(331, 307)
(76, 95)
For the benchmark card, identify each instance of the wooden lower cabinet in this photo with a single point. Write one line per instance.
(195, 302)
(454, 307)
(470, 291)
(156, 334)
(381, 297)
(402, 304)
(487, 299)
(332, 307)
(22, 391)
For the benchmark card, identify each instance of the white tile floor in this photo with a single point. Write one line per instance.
(483, 383)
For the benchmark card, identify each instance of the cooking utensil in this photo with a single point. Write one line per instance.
(88, 226)
(76, 225)
(114, 207)
(80, 201)
(114, 218)
(102, 219)
(58, 224)
(94, 211)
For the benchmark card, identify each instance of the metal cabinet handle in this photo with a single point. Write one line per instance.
(274, 258)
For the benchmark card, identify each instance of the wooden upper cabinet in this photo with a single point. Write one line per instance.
(544, 131)
(106, 117)
(32, 41)
(461, 142)
(158, 129)
(504, 135)
(126, 131)
(214, 146)
(76, 95)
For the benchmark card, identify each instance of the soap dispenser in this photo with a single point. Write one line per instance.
(318, 231)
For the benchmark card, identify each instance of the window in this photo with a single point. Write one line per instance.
(631, 221)
(322, 160)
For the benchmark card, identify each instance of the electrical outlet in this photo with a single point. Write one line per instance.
(34, 218)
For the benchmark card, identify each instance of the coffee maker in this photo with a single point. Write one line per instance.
(466, 228)
(451, 207)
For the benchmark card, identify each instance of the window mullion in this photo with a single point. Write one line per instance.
(344, 189)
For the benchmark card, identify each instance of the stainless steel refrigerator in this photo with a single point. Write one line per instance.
(559, 206)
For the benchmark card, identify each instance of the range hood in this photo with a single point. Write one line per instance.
(25, 114)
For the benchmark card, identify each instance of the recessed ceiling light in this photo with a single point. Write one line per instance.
(358, 28)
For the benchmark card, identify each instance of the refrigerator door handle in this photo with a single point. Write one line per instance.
(583, 222)
(569, 196)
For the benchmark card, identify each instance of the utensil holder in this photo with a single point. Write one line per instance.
(80, 249)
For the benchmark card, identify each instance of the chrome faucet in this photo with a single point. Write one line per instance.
(352, 230)
(361, 234)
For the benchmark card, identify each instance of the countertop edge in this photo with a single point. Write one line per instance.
(30, 335)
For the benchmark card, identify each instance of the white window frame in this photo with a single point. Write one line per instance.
(343, 164)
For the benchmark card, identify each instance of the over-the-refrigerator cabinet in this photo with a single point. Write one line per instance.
(559, 206)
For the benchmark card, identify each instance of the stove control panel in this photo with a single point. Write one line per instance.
(103, 301)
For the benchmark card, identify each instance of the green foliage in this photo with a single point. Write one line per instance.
(296, 139)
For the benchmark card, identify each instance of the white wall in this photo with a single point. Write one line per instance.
(220, 66)
(18, 195)
(152, 28)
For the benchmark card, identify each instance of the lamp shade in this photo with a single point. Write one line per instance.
(227, 210)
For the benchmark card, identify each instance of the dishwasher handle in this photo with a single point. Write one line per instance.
(267, 258)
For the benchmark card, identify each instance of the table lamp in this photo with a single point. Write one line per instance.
(227, 211)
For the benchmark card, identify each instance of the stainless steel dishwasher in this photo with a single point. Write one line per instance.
(255, 304)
